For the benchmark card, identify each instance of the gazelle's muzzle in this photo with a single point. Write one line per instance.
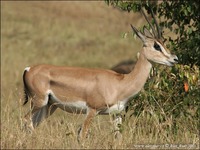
(173, 60)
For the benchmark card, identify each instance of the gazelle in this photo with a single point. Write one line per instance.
(90, 91)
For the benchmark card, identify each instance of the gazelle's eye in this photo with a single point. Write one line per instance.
(157, 47)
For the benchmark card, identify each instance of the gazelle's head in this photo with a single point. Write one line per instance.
(153, 47)
(154, 50)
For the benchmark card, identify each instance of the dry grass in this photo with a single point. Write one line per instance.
(74, 34)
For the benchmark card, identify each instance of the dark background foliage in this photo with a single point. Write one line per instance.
(171, 92)
(180, 17)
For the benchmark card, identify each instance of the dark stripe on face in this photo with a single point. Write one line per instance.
(156, 45)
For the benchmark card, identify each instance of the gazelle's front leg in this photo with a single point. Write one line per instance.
(117, 126)
(84, 129)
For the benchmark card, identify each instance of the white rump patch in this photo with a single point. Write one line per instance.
(27, 68)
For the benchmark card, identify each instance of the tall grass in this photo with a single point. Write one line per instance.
(74, 34)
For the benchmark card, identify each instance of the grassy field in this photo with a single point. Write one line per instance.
(86, 34)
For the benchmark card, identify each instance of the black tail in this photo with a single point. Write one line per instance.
(26, 93)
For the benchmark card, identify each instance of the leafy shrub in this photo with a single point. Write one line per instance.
(166, 94)
(180, 17)
(172, 93)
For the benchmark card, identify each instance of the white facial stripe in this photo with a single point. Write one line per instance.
(163, 50)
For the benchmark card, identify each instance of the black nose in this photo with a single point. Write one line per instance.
(175, 59)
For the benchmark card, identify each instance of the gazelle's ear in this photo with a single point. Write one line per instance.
(139, 34)
(147, 32)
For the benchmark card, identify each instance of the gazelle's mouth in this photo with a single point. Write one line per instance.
(170, 63)
(173, 60)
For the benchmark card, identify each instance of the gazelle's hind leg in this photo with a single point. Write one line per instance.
(42, 113)
(28, 124)
(38, 114)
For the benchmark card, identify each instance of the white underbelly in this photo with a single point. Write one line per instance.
(72, 107)
(81, 106)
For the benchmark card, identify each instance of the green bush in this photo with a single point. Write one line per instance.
(180, 17)
(166, 95)
(171, 93)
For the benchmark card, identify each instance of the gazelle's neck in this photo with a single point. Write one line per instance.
(135, 80)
